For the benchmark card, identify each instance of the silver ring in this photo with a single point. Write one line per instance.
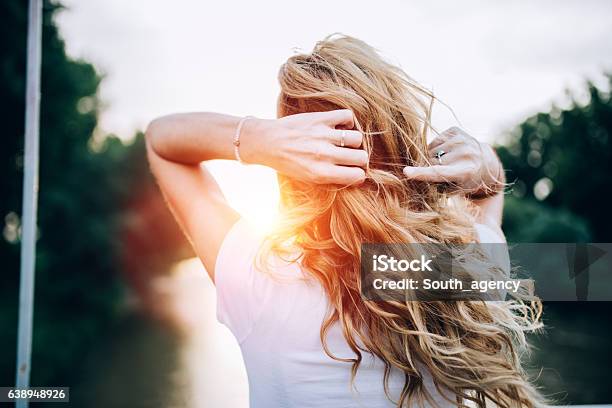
(342, 138)
(439, 155)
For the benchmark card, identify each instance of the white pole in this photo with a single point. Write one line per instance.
(30, 198)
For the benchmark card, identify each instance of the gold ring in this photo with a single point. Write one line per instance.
(342, 138)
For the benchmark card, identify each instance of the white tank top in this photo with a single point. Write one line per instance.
(277, 324)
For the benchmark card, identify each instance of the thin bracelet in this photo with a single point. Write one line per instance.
(236, 141)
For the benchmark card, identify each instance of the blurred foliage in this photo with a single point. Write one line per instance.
(562, 160)
(560, 165)
(92, 198)
(532, 221)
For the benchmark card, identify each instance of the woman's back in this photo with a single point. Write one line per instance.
(355, 166)
(277, 316)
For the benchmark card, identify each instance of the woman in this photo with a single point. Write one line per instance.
(354, 166)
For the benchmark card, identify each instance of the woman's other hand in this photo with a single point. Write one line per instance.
(462, 162)
(317, 147)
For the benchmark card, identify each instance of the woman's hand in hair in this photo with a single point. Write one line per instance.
(315, 147)
(464, 164)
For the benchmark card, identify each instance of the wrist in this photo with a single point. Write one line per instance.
(493, 179)
(254, 147)
(496, 175)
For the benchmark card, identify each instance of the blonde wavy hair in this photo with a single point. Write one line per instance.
(472, 349)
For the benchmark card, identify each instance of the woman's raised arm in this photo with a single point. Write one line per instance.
(315, 147)
(469, 166)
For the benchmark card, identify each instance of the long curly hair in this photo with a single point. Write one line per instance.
(471, 349)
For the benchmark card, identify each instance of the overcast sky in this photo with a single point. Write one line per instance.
(492, 62)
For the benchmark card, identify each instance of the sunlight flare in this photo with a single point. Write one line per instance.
(251, 190)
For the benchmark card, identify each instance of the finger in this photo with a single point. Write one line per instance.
(345, 175)
(433, 174)
(437, 141)
(340, 117)
(448, 159)
(351, 138)
(452, 131)
(449, 144)
(447, 147)
(454, 150)
(350, 157)
(444, 137)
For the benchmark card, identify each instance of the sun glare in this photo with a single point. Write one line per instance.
(251, 190)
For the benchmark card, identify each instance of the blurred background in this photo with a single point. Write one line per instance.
(126, 317)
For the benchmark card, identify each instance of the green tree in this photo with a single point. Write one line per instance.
(75, 273)
(563, 160)
(97, 212)
(560, 164)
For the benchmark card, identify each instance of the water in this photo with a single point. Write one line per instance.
(146, 365)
